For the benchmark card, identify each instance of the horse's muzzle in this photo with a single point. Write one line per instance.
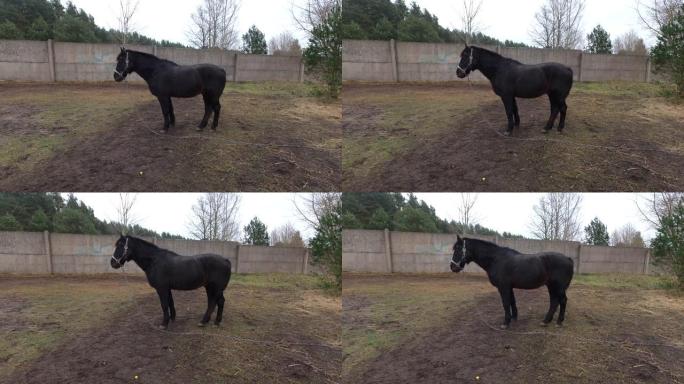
(118, 78)
(115, 264)
(461, 74)
(455, 268)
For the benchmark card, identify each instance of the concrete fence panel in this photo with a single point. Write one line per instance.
(389, 61)
(23, 252)
(259, 259)
(385, 252)
(20, 60)
(597, 259)
(58, 61)
(364, 251)
(367, 60)
(27, 252)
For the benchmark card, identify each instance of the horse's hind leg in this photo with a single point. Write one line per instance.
(506, 301)
(563, 113)
(516, 116)
(219, 311)
(172, 115)
(554, 298)
(555, 109)
(164, 299)
(211, 303)
(514, 308)
(165, 103)
(217, 112)
(207, 112)
(508, 104)
(561, 314)
(172, 308)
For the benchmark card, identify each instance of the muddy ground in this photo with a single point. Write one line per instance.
(444, 329)
(278, 329)
(448, 137)
(106, 137)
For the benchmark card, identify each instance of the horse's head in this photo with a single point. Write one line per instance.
(122, 253)
(467, 63)
(123, 65)
(460, 258)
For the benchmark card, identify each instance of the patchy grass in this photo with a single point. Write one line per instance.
(278, 89)
(50, 311)
(440, 328)
(626, 281)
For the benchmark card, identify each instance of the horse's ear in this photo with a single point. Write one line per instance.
(123, 49)
(466, 45)
(458, 238)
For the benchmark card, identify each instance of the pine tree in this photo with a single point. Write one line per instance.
(599, 41)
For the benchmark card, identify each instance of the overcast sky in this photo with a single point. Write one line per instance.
(171, 212)
(170, 19)
(512, 212)
(513, 20)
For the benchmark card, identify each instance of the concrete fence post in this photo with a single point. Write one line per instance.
(301, 71)
(154, 50)
(579, 257)
(235, 67)
(648, 69)
(580, 76)
(393, 54)
(51, 60)
(48, 251)
(647, 262)
(305, 262)
(388, 251)
(237, 258)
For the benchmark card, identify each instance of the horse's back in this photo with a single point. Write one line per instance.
(212, 75)
(559, 266)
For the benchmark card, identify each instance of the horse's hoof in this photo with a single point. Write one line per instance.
(163, 327)
(201, 324)
(545, 131)
(507, 133)
(217, 324)
(503, 326)
(198, 129)
(558, 325)
(544, 324)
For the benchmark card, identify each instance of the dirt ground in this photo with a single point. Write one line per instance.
(444, 329)
(107, 137)
(276, 329)
(448, 137)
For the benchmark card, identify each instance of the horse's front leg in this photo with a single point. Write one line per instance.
(165, 103)
(164, 295)
(505, 293)
(508, 104)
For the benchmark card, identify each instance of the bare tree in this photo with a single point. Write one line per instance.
(284, 44)
(630, 44)
(214, 24)
(627, 236)
(471, 10)
(657, 206)
(126, 12)
(124, 210)
(558, 24)
(312, 206)
(312, 13)
(557, 217)
(214, 217)
(656, 13)
(466, 209)
(286, 235)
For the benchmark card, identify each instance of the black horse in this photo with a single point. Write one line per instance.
(167, 79)
(511, 79)
(167, 270)
(508, 269)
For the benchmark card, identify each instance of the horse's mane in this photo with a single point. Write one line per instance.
(489, 243)
(151, 56)
(496, 55)
(151, 245)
